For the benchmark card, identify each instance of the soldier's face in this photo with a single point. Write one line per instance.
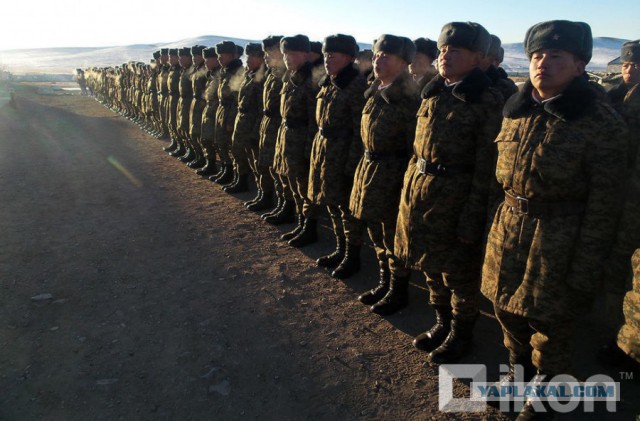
(198, 59)
(387, 66)
(551, 71)
(420, 65)
(335, 62)
(273, 58)
(631, 73)
(225, 58)
(254, 62)
(185, 61)
(173, 60)
(454, 63)
(212, 63)
(164, 59)
(294, 59)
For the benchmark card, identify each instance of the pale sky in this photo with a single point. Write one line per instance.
(97, 23)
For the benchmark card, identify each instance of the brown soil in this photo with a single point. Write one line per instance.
(169, 300)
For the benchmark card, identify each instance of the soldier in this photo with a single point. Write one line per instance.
(422, 68)
(270, 181)
(293, 147)
(387, 129)
(163, 91)
(177, 147)
(230, 80)
(442, 214)
(561, 155)
(317, 59)
(337, 148)
(198, 85)
(208, 125)
(246, 133)
(364, 61)
(490, 65)
(619, 272)
(184, 104)
(82, 82)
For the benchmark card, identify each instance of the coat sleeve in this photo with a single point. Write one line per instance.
(606, 156)
(472, 221)
(356, 149)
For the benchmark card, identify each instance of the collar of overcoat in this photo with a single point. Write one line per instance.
(469, 90)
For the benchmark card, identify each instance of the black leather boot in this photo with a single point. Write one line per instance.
(188, 156)
(294, 232)
(209, 169)
(197, 162)
(434, 337)
(457, 343)
(350, 265)
(265, 202)
(308, 235)
(240, 186)
(396, 298)
(526, 371)
(179, 150)
(285, 215)
(234, 179)
(171, 147)
(278, 207)
(333, 260)
(376, 294)
(226, 176)
(541, 410)
(248, 203)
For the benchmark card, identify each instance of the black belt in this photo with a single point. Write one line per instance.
(431, 168)
(270, 114)
(377, 156)
(227, 102)
(295, 124)
(536, 209)
(243, 110)
(212, 102)
(333, 133)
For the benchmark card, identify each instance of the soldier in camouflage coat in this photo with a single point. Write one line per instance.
(184, 104)
(231, 77)
(268, 180)
(198, 85)
(173, 87)
(208, 124)
(246, 133)
(387, 130)
(337, 148)
(561, 159)
(443, 205)
(293, 146)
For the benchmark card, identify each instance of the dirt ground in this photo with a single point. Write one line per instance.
(169, 300)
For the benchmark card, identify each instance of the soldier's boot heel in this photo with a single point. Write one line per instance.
(277, 208)
(308, 235)
(188, 156)
(285, 215)
(434, 337)
(294, 232)
(350, 265)
(234, 180)
(265, 202)
(396, 298)
(240, 186)
(457, 343)
(256, 199)
(171, 147)
(333, 260)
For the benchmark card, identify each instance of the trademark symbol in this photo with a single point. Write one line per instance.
(626, 375)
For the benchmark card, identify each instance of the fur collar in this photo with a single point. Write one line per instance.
(233, 66)
(298, 78)
(469, 90)
(395, 93)
(343, 79)
(570, 105)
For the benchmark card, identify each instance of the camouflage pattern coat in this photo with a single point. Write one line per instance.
(337, 146)
(198, 85)
(173, 87)
(247, 126)
(455, 129)
(297, 108)
(271, 119)
(230, 79)
(626, 100)
(211, 99)
(387, 129)
(186, 96)
(567, 158)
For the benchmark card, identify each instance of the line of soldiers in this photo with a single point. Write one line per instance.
(453, 171)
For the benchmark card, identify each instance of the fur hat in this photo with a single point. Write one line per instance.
(340, 43)
(227, 47)
(209, 52)
(156, 55)
(196, 50)
(184, 51)
(173, 51)
(270, 42)
(630, 52)
(295, 43)
(164, 51)
(574, 37)
(427, 47)
(254, 49)
(400, 46)
(469, 35)
(494, 47)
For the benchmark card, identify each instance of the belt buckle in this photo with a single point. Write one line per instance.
(320, 131)
(367, 156)
(422, 166)
(522, 205)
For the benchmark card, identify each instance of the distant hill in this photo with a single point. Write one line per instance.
(65, 60)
